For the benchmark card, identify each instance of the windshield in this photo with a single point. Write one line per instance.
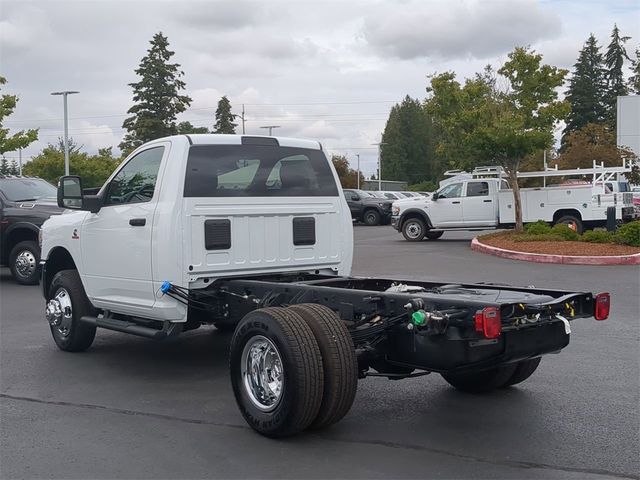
(26, 189)
(364, 194)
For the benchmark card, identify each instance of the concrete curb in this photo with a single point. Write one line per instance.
(563, 259)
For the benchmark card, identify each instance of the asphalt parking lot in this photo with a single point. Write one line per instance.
(131, 408)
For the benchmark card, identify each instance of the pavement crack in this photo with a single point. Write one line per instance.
(461, 456)
(123, 411)
(382, 443)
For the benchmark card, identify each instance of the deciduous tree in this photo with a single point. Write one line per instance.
(20, 139)
(185, 128)
(157, 98)
(348, 176)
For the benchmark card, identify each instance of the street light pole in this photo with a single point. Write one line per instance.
(66, 127)
(379, 144)
(271, 127)
(358, 155)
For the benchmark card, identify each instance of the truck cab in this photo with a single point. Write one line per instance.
(462, 204)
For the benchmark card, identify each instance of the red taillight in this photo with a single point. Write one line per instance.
(602, 304)
(487, 322)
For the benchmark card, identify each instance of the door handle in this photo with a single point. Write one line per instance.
(487, 201)
(137, 222)
(455, 202)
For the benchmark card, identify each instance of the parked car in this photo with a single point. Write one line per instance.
(25, 203)
(367, 208)
(388, 195)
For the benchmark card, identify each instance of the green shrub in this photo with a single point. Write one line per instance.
(565, 232)
(537, 228)
(597, 236)
(543, 237)
(629, 234)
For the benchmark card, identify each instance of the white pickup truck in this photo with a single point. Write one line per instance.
(252, 235)
(487, 203)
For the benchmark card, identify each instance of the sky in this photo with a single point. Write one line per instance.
(327, 70)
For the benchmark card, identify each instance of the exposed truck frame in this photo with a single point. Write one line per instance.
(304, 330)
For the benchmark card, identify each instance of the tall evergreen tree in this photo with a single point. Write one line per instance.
(634, 80)
(408, 153)
(224, 117)
(157, 97)
(587, 88)
(4, 166)
(614, 62)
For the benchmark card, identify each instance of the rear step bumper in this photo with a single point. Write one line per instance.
(168, 329)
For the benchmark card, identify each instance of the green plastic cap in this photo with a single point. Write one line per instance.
(418, 318)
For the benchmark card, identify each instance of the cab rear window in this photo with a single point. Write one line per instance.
(257, 171)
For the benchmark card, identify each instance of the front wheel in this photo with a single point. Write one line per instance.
(67, 303)
(414, 229)
(23, 262)
(481, 381)
(371, 218)
(276, 371)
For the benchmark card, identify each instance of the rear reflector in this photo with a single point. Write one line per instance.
(602, 304)
(488, 322)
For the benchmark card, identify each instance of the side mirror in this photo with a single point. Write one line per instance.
(435, 196)
(71, 195)
(355, 198)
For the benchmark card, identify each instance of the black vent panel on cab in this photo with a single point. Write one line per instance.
(217, 234)
(304, 231)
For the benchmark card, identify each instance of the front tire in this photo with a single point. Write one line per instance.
(67, 303)
(338, 360)
(414, 229)
(23, 262)
(371, 218)
(276, 371)
(481, 381)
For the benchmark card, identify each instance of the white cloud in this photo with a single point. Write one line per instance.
(448, 29)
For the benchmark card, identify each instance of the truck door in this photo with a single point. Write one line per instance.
(446, 211)
(479, 206)
(354, 201)
(116, 241)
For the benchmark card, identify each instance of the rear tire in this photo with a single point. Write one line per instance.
(481, 381)
(572, 222)
(276, 371)
(414, 229)
(524, 370)
(433, 235)
(67, 294)
(371, 218)
(338, 360)
(24, 259)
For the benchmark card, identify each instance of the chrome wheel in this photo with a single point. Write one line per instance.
(262, 373)
(59, 312)
(26, 263)
(414, 230)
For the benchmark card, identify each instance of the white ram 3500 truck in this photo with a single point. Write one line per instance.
(252, 234)
(487, 203)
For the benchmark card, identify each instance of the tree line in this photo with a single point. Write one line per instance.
(422, 138)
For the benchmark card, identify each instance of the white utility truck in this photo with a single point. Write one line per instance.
(252, 235)
(483, 200)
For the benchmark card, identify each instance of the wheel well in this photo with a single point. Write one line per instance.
(561, 213)
(415, 214)
(16, 236)
(59, 259)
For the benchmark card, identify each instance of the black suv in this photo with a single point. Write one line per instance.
(25, 203)
(367, 208)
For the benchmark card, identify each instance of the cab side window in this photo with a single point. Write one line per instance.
(451, 191)
(136, 181)
(477, 189)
